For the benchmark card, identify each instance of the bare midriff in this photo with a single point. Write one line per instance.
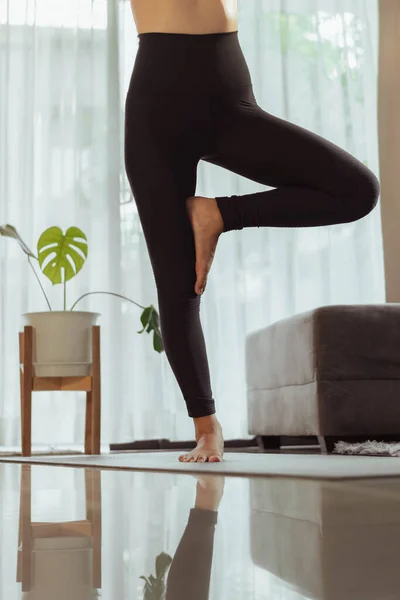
(185, 16)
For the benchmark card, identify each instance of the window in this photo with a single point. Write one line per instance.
(84, 14)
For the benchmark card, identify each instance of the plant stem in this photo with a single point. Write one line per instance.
(108, 294)
(39, 282)
(65, 295)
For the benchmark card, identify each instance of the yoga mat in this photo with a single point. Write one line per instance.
(234, 464)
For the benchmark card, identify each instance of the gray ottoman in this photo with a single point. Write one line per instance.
(332, 372)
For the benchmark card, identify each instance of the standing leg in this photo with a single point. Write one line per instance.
(162, 174)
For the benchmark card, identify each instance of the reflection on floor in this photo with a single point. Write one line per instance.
(74, 534)
(45, 548)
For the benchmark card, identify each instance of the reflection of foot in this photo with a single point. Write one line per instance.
(210, 489)
(210, 441)
(207, 225)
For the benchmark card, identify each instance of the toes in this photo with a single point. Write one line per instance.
(215, 458)
(200, 458)
(201, 283)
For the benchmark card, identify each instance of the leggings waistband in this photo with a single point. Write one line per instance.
(177, 62)
(186, 36)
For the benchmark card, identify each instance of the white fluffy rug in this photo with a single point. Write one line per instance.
(369, 448)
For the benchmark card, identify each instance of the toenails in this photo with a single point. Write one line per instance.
(199, 459)
(215, 459)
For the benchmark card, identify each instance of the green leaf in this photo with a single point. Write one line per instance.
(154, 320)
(145, 318)
(157, 342)
(163, 561)
(10, 232)
(62, 256)
(150, 321)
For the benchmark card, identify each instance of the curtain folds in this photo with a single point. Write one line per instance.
(64, 72)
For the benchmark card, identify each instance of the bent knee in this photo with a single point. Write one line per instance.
(364, 194)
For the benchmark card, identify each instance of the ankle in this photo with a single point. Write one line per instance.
(205, 425)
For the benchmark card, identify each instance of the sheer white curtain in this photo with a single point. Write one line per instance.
(60, 140)
(64, 72)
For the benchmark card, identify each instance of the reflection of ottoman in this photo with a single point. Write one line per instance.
(332, 371)
(328, 540)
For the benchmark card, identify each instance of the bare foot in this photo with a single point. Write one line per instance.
(210, 441)
(207, 225)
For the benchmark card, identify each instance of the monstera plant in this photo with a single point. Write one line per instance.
(61, 256)
(154, 587)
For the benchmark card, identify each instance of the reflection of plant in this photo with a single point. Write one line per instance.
(154, 588)
(61, 256)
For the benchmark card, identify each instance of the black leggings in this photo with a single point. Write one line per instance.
(191, 99)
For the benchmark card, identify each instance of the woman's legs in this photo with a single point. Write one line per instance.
(317, 183)
(169, 239)
(162, 175)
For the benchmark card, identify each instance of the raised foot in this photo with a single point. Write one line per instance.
(207, 224)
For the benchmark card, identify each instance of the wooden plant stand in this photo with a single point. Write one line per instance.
(91, 384)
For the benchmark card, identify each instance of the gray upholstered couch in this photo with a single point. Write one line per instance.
(332, 372)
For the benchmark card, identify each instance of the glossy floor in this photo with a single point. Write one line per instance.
(77, 534)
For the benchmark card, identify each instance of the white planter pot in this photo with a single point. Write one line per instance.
(62, 342)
